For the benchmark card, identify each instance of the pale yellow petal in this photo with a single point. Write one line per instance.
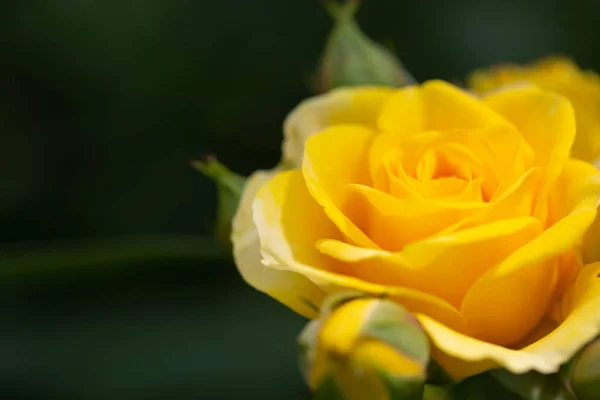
(463, 356)
(290, 288)
(359, 105)
(290, 222)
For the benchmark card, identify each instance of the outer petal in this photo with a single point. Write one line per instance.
(360, 105)
(581, 317)
(289, 223)
(284, 286)
(547, 122)
(436, 105)
(562, 76)
(464, 356)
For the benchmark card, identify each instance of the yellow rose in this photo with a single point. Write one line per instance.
(468, 212)
(562, 76)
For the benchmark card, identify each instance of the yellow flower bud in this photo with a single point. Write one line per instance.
(365, 349)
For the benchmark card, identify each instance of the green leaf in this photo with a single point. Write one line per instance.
(436, 375)
(230, 188)
(351, 58)
(533, 385)
(482, 387)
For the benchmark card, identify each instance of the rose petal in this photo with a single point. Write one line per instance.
(506, 291)
(442, 266)
(333, 159)
(435, 105)
(463, 356)
(284, 286)
(359, 105)
(392, 223)
(547, 122)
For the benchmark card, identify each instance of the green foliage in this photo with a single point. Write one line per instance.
(230, 187)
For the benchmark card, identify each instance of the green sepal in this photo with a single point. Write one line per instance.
(335, 300)
(433, 392)
(329, 389)
(307, 345)
(392, 324)
(402, 387)
(351, 58)
(230, 187)
(481, 387)
(582, 373)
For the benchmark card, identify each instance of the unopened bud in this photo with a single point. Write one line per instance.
(365, 348)
(352, 59)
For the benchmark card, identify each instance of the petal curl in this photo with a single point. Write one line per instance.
(358, 105)
(284, 286)
(463, 356)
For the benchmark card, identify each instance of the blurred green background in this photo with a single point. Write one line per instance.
(109, 287)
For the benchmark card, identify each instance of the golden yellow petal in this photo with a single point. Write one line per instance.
(505, 309)
(392, 223)
(333, 159)
(444, 266)
(435, 105)
(547, 122)
(516, 291)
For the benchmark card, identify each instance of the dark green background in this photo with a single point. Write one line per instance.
(102, 105)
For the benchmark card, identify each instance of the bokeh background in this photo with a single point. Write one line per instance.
(110, 286)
